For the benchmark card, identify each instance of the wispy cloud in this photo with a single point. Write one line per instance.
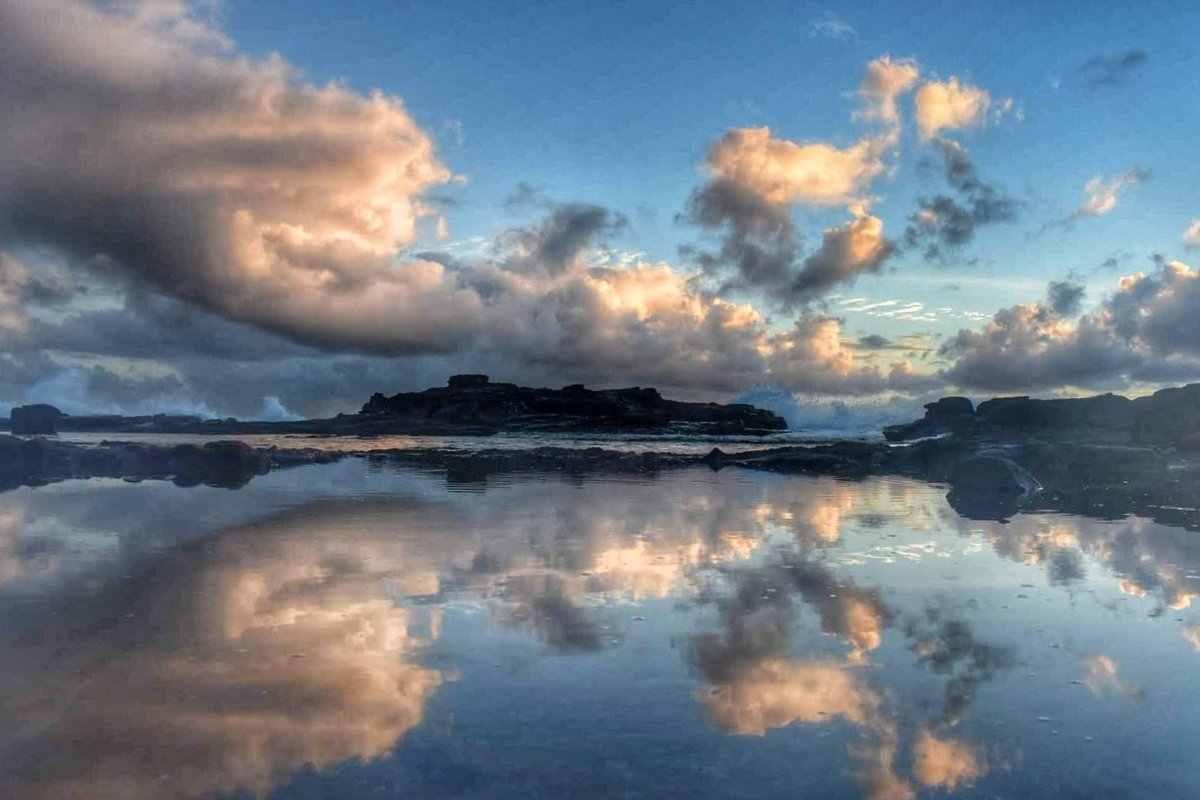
(1101, 194)
(830, 27)
(1191, 236)
(1112, 69)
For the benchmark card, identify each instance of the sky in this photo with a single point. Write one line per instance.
(274, 209)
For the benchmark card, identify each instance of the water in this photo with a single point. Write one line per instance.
(663, 443)
(357, 631)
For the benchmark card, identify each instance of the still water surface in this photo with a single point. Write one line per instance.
(353, 630)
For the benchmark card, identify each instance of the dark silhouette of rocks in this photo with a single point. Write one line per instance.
(224, 463)
(1103, 456)
(35, 420)
(474, 400)
(1167, 417)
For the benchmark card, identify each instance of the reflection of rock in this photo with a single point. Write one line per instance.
(990, 486)
(222, 463)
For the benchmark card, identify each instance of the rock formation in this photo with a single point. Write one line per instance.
(35, 420)
(1167, 417)
(474, 400)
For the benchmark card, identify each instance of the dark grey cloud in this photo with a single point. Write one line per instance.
(874, 342)
(219, 180)
(556, 243)
(947, 222)
(1112, 69)
(1065, 297)
(760, 247)
(1146, 330)
(760, 241)
(525, 196)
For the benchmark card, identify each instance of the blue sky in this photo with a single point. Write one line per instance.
(189, 161)
(616, 104)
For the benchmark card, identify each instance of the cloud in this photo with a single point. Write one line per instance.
(784, 172)
(1112, 70)
(1032, 347)
(1148, 329)
(812, 358)
(22, 288)
(830, 27)
(950, 105)
(874, 342)
(239, 226)
(223, 180)
(553, 319)
(1192, 634)
(556, 243)
(756, 179)
(885, 81)
(948, 222)
(1065, 297)
(1191, 236)
(1100, 195)
(846, 251)
(14, 280)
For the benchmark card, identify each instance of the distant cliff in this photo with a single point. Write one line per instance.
(1167, 417)
(475, 400)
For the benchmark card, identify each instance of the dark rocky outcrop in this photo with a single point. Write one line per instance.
(474, 400)
(35, 420)
(948, 415)
(1167, 417)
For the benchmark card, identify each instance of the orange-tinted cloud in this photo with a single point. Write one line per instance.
(950, 105)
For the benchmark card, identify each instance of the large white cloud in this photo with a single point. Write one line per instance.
(145, 142)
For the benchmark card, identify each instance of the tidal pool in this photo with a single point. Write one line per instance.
(354, 630)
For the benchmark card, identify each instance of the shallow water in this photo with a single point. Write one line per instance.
(624, 442)
(354, 630)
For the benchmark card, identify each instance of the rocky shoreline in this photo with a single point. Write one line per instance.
(999, 459)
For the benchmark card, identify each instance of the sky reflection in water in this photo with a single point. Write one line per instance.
(349, 630)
